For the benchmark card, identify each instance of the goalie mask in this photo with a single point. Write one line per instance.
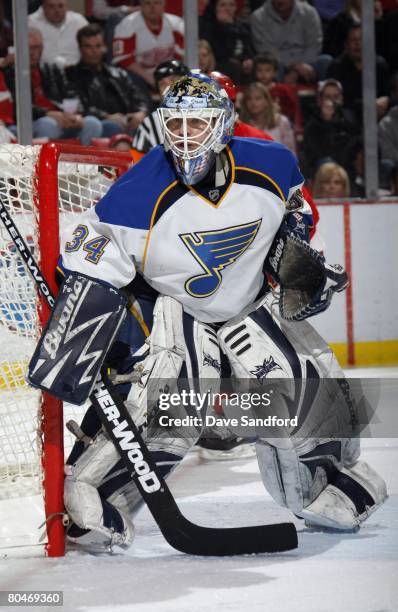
(197, 118)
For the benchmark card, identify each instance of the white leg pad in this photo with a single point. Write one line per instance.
(84, 507)
(332, 509)
(369, 480)
(335, 509)
(289, 480)
(83, 504)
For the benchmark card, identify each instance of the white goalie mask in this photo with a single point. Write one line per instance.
(197, 118)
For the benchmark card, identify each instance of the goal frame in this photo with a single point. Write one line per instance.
(45, 194)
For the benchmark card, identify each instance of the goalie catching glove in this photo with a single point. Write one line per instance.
(307, 282)
(81, 328)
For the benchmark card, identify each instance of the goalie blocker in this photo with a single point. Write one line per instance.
(85, 319)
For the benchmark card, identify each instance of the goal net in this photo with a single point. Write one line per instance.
(41, 188)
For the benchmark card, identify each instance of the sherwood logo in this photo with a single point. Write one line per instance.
(26, 255)
(52, 340)
(125, 436)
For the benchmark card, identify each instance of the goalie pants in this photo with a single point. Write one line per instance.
(311, 468)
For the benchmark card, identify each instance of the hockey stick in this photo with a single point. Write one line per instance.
(179, 532)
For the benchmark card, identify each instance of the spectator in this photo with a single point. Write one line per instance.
(331, 181)
(388, 143)
(149, 133)
(337, 29)
(285, 96)
(329, 133)
(331, 89)
(347, 69)
(108, 13)
(259, 110)
(230, 40)
(240, 127)
(292, 31)
(146, 38)
(207, 61)
(50, 94)
(105, 91)
(59, 27)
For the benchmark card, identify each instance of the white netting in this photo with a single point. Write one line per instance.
(80, 186)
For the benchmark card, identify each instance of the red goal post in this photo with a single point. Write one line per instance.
(42, 186)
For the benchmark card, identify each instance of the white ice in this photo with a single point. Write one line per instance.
(326, 573)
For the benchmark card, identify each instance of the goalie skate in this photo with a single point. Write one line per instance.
(101, 542)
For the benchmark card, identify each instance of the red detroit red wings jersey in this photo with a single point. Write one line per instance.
(134, 42)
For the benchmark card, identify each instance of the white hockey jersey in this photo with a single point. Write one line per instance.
(206, 249)
(135, 42)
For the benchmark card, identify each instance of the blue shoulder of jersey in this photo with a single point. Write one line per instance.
(270, 158)
(131, 200)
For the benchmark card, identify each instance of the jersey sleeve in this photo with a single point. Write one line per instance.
(100, 250)
(108, 242)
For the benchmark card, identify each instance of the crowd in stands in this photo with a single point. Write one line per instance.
(296, 65)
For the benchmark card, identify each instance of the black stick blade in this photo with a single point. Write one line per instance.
(193, 539)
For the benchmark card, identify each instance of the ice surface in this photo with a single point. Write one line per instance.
(327, 573)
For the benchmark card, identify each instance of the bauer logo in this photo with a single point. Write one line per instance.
(52, 340)
(126, 440)
(274, 260)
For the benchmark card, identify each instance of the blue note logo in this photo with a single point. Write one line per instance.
(216, 250)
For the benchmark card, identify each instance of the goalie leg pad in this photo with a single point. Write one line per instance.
(88, 511)
(256, 346)
(295, 476)
(354, 494)
(316, 486)
(177, 341)
(99, 494)
(260, 329)
(299, 367)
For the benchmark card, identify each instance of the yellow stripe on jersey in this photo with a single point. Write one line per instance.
(153, 217)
